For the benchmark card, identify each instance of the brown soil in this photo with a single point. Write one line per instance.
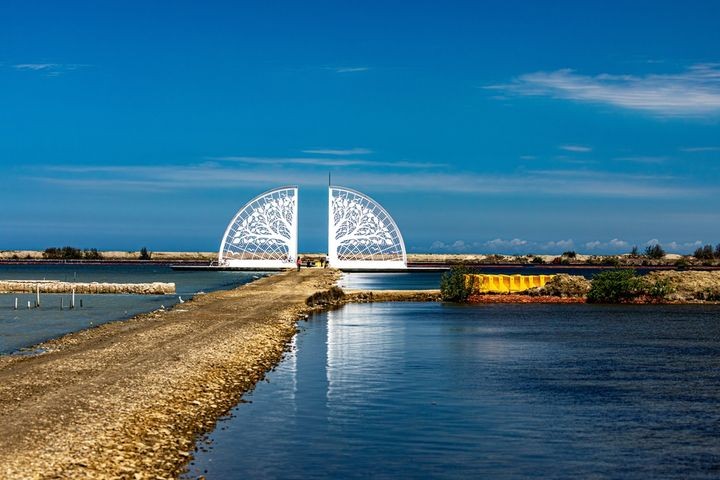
(517, 298)
(128, 399)
(367, 296)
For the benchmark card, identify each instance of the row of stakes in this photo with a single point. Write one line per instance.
(62, 301)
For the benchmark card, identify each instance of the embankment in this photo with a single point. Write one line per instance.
(128, 399)
(52, 286)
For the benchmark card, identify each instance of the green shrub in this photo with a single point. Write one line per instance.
(615, 286)
(570, 254)
(92, 254)
(659, 289)
(537, 260)
(64, 253)
(452, 285)
(144, 254)
(681, 262)
(612, 261)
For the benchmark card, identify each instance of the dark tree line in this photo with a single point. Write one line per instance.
(71, 253)
(707, 252)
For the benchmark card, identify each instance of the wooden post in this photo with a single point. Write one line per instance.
(62, 303)
(81, 303)
(72, 301)
(28, 304)
(37, 296)
(16, 300)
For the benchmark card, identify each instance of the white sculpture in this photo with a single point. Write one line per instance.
(361, 233)
(264, 233)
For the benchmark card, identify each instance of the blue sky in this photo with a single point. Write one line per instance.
(530, 127)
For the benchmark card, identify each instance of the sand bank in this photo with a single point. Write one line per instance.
(128, 399)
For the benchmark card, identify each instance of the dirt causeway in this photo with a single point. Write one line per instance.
(128, 399)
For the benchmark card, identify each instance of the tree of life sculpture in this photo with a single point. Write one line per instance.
(263, 234)
(361, 233)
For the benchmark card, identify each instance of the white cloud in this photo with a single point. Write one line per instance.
(558, 245)
(642, 159)
(700, 149)
(349, 69)
(692, 92)
(48, 69)
(324, 162)
(575, 148)
(228, 172)
(36, 66)
(500, 243)
(337, 151)
(685, 247)
(614, 244)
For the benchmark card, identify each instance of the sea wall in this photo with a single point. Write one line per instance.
(51, 286)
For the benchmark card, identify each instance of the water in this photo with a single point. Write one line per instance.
(495, 391)
(430, 280)
(23, 328)
(390, 281)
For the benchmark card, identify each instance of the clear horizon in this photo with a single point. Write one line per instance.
(497, 127)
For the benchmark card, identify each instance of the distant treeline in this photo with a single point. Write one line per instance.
(71, 253)
(707, 252)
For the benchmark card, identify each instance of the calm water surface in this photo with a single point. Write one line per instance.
(496, 391)
(429, 280)
(23, 328)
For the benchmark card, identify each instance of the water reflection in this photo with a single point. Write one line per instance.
(431, 390)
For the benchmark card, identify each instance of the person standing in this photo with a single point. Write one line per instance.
(298, 262)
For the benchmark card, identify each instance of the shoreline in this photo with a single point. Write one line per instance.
(132, 397)
(418, 260)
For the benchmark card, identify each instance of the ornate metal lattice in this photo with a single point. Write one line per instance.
(361, 233)
(263, 234)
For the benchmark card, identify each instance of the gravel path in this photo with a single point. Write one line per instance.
(128, 399)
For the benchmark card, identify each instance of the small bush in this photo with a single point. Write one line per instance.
(570, 254)
(655, 252)
(537, 260)
(659, 289)
(452, 285)
(615, 286)
(92, 254)
(681, 262)
(333, 296)
(634, 253)
(717, 250)
(144, 254)
(64, 253)
(611, 261)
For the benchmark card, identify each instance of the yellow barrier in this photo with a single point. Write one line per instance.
(482, 283)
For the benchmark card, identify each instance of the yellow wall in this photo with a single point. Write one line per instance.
(482, 283)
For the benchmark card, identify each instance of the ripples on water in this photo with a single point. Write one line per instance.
(498, 391)
(23, 328)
